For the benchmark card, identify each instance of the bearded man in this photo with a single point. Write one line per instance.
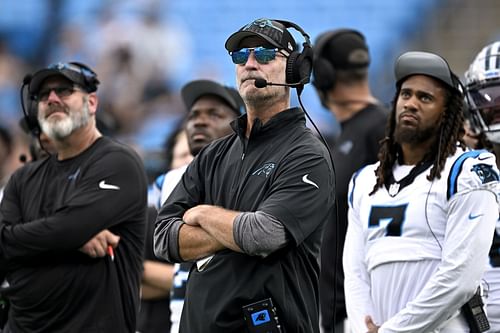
(421, 220)
(72, 223)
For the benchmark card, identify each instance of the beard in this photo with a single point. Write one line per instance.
(263, 97)
(59, 129)
(414, 135)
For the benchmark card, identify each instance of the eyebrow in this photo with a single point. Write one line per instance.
(418, 92)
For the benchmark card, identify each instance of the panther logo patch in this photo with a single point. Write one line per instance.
(485, 172)
(265, 170)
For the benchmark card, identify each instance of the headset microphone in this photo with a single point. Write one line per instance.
(261, 83)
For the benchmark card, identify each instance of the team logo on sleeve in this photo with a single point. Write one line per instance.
(264, 170)
(485, 172)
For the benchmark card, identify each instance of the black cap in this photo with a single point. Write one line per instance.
(424, 63)
(272, 31)
(194, 90)
(343, 48)
(77, 73)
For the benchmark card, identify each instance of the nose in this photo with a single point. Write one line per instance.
(251, 62)
(409, 103)
(200, 120)
(52, 96)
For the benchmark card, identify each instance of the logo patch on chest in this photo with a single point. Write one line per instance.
(265, 170)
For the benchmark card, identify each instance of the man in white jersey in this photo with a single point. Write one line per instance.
(421, 220)
(483, 95)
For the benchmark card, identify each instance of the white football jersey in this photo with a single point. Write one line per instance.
(162, 188)
(415, 254)
(492, 283)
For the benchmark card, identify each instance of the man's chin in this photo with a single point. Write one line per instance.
(196, 147)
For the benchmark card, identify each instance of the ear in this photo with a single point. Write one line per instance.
(93, 103)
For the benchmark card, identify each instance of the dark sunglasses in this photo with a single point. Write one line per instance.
(262, 55)
(61, 92)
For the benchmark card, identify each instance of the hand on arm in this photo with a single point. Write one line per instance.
(216, 221)
(370, 325)
(97, 246)
(195, 243)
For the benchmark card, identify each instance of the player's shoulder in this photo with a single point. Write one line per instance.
(362, 183)
(366, 174)
(471, 169)
(114, 152)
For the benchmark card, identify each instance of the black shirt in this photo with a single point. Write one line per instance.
(49, 210)
(283, 170)
(356, 146)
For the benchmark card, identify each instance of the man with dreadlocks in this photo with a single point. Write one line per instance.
(421, 220)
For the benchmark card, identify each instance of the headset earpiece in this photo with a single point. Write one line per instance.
(29, 108)
(324, 74)
(32, 118)
(324, 71)
(299, 64)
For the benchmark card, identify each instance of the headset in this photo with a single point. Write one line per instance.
(29, 102)
(299, 65)
(29, 108)
(324, 71)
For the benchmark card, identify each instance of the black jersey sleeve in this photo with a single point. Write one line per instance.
(302, 194)
(109, 192)
(188, 193)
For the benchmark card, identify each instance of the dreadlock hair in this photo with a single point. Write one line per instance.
(451, 131)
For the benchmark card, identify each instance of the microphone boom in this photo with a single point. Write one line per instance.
(261, 83)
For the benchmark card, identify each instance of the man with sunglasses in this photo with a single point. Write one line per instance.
(250, 208)
(72, 223)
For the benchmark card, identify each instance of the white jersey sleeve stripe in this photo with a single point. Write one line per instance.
(456, 169)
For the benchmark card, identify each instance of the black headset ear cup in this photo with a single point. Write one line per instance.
(31, 118)
(299, 66)
(291, 73)
(324, 71)
(324, 74)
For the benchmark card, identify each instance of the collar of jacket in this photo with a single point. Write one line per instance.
(278, 123)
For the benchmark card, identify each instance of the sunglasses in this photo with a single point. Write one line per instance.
(61, 92)
(262, 55)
